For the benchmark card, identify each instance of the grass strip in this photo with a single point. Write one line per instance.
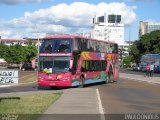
(28, 107)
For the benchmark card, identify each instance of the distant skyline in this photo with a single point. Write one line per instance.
(35, 18)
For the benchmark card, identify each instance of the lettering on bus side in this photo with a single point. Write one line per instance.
(109, 57)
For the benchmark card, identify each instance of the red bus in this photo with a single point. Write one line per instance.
(67, 60)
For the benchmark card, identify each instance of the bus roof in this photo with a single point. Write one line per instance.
(74, 36)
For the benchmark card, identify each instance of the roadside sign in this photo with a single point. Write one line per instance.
(8, 76)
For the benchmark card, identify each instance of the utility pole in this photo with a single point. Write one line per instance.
(129, 35)
(121, 56)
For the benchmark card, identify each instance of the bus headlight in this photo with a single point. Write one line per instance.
(59, 77)
(40, 78)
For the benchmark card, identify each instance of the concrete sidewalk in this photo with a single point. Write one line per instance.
(75, 104)
(141, 78)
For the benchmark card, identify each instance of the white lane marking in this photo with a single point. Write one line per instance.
(2, 86)
(100, 106)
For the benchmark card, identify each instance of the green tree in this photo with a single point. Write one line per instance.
(18, 53)
(14, 54)
(135, 51)
(127, 61)
(148, 43)
(2, 50)
(30, 52)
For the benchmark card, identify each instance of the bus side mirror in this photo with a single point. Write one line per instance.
(71, 64)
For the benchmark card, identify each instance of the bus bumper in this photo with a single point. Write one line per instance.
(58, 83)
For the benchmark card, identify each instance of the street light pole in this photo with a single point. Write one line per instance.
(129, 35)
(38, 46)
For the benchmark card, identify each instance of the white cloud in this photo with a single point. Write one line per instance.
(5, 33)
(150, 20)
(143, 0)
(66, 18)
(13, 2)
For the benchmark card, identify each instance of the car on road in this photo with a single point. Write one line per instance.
(27, 66)
(136, 68)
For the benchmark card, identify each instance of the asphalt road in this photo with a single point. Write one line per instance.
(128, 96)
(137, 72)
(123, 96)
(26, 73)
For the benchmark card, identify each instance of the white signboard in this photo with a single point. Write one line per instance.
(8, 76)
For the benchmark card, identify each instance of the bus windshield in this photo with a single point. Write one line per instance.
(56, 45)
(54, 64)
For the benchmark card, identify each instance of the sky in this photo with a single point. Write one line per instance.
(32, 18)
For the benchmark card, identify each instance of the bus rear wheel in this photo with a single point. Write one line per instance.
(110, 77)
(107, 79)
(81, 82)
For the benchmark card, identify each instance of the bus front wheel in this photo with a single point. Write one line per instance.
(81, 82)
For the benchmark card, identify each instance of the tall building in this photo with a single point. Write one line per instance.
(147, 27)
(108, 28)
(85, 34)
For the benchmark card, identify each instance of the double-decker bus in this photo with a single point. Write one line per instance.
(67, 60)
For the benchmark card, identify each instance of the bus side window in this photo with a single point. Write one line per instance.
(83, 66)
(93, 66)
(48, 46)
(42, 50)
(75, 44)
(84, 44)
(104, 65)
(79, 44)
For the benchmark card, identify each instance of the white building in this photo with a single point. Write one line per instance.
(85, 34)
(23, 42)
(147, 27)
(109, 28)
